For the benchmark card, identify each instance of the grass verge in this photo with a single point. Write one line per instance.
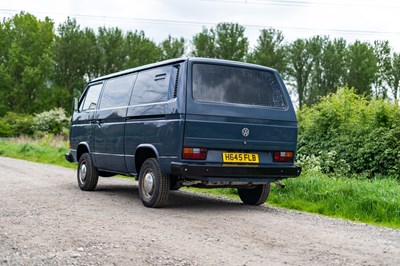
(48, 150)
(372, 201)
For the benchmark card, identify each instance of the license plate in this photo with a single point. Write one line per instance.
(235, 157)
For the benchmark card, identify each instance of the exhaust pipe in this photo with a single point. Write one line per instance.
(279, 184)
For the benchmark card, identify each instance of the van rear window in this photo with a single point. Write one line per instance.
(236, 85)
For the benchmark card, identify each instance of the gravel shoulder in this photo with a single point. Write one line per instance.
(45, 219)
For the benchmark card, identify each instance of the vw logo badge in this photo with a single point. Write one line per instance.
(245, 132)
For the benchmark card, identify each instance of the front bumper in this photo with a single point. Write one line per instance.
(234, 173)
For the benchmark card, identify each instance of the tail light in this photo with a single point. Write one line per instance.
(283, 156)
(194, 153)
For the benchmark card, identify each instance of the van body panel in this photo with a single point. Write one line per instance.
(212, 132)
(82, 129)
(158, 124)
(109, 131)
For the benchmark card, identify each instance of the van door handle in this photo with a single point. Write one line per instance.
(98, 122)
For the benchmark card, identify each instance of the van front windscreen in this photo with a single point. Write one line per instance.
(236, 85)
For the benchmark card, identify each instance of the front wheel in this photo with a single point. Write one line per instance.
(154, 186)
(254, 196)
(87, 173)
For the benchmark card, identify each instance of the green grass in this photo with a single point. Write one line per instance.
(47, 150)
(372, 201)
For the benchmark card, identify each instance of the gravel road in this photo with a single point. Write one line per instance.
(45, 219)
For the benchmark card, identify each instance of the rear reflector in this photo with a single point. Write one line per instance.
(194, 153)
(283, 156)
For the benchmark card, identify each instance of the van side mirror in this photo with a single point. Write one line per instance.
(75, 104)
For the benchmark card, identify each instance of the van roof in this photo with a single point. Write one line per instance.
(180, 60)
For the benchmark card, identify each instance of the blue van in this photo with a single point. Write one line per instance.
(197, 122)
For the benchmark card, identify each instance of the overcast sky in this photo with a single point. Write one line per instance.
(356, 19)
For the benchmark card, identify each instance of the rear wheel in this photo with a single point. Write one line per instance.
(87, 173)
(254, 196)
(154, 186)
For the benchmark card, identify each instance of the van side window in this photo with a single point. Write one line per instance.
(91, 97)
(152, 86)
(117, 91)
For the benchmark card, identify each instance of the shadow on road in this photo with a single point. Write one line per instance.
(178, 200)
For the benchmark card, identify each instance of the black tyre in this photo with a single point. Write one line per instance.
(153, 185)
(254, 196)
(87, 173)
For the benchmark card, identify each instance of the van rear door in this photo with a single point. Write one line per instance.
(237, 111)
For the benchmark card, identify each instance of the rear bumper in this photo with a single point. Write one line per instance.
(69, 157)
(234, 173)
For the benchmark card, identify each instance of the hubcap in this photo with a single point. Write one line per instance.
(148, 184)
(82, 173)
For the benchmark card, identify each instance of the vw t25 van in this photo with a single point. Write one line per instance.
(186, 122)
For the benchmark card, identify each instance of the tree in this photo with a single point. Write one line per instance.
(270, 50)
(230, 41)
(26, 63)
(71, 62)
(172, 48)
(328, 67)
(140, 50)
(383, 56)
(227, 41)
(111, 44)
(394, 80)
(361, 68)
(315, 47)
(92, 54)
(299, 68)
(333, 65)
(204, 44)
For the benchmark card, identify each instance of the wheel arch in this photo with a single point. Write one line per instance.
(142, 153)
(83, 147)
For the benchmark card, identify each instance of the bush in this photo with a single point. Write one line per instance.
(53, 121)
(14, 125)
(351, 135)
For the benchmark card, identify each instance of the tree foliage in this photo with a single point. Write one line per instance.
(328, 67)
(42, 68)
(140, 50)
(71, 55)
(394, 77)
(25, 63)
(349, 134)
(383, 55)
(231, 42)
(299, 68)
(112, 53)
(361, 68)
(172, 48)
(204, 44)
(226, 41)
(270, 50)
